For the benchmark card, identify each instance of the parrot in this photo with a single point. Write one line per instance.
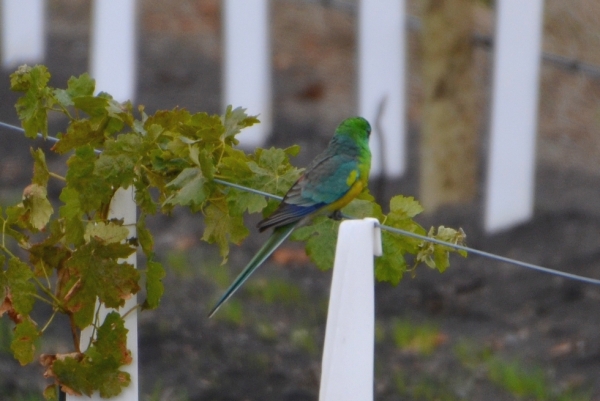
(331, 181)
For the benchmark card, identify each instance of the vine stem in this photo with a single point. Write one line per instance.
(47, 291)
(49, 321)
(133, 308)
(3, 246)
(74, 332)
(57, 176)
(40, 298)
(95, 325)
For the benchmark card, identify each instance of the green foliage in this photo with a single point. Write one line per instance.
(424, 388)
(532, 383)
(22, 346)
(303, 339)
(419, 339)
(276, 291)
(232, 313)
(98, 367)
(171, 158)
(391, 266)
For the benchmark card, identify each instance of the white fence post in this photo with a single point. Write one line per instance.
(247, 64)
(381, 81)
(347, 368)
(113, 47)
(510, 183)
(122, 207)
(22, 29)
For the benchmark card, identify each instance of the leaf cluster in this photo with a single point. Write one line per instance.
(76, 254)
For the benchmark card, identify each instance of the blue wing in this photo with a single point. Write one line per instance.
(323, 183)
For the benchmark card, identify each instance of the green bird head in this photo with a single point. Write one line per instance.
(352, 140)
(357, 128)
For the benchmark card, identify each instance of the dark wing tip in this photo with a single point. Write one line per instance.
(263, 225)
(218, 305)
(213, 311)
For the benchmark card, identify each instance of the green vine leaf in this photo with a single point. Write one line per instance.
(32, 107)
(97, 368)
(118, 161)
(79, 133)
(240, 202)
(144, 236)
(154, 287)
(3, 281)
(19, 276)
(71, 212)
(189, 188)
(222, 228)
(94, 271)
(271, 170)
(50, 393)
(23, 343)
(319, 237)
(92, 190)
(392, 265)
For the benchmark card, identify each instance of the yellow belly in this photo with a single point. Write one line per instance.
(356, 189)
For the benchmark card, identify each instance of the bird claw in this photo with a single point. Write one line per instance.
(336, 215)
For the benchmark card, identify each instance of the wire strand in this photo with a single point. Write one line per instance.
(474, 251)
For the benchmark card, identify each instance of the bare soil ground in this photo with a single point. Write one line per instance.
(450, 336)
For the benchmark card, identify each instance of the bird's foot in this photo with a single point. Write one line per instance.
(336, 215)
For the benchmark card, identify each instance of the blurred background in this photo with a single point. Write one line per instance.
(480, 331)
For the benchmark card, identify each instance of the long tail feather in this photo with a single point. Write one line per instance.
(279, 235)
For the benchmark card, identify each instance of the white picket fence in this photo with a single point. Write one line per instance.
(381, 83)
(381, 79)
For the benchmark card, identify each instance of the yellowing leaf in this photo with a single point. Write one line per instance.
(39, 209)
(109, 233)
(437, 256)
(40, 169)
(402, 206)
(236, 119)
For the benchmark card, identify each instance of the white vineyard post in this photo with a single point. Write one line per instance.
(347, 367)
(247, 64)
(381, 81)
(122, 207)
(509, 193)
(22, 31)
(113, 47)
